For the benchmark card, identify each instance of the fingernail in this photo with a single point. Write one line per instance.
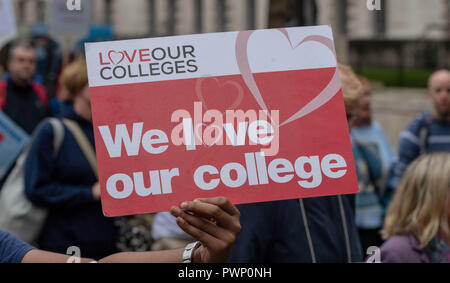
(184, 205)
(180, 220)
(175, 210)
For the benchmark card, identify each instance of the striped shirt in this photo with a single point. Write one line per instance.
(424, 135)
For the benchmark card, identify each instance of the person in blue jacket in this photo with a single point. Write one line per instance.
(65, 183)
(318, 229)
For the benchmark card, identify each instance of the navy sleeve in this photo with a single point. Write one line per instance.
(12, 250)
(41, 186)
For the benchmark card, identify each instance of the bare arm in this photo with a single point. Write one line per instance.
(169, 256)
(38, 256)
(214, 222)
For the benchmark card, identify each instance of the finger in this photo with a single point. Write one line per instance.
(206, 239)
(175, 211)
(223, 203)
(222, 218)
(209, 227)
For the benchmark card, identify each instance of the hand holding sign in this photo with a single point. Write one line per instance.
(214, 222)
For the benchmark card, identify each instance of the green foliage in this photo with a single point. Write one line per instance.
(413, 78)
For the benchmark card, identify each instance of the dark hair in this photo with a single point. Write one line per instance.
(24, 44)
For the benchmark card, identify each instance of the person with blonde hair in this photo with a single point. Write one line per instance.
(417, 221)
(352, 91)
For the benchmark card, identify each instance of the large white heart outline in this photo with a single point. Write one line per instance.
(321, 99)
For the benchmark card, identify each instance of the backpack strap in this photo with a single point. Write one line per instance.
(307, 231)
(58, 135)
(84, 144)
(41, 93)
(344, 226)
(424, 131)
(3, 86)
(370, 165)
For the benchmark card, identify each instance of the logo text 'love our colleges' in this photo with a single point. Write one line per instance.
(147, 62)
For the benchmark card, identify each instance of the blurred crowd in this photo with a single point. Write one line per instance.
(403, 206)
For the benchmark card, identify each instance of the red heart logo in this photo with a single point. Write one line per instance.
(316, 102)
(116, 57)
(2, 137)
(221, 96)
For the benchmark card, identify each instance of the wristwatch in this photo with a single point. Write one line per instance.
(187, 254)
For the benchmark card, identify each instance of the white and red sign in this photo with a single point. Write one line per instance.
(254, 116)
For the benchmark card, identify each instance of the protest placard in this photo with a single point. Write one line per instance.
(253, 115)
(12, 141)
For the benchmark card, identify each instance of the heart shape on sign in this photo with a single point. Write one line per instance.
(237, 86)
(116, 57)
(318, 101)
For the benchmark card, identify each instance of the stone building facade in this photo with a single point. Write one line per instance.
(397, 20)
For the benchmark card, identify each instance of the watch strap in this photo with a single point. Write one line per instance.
(187, 254)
